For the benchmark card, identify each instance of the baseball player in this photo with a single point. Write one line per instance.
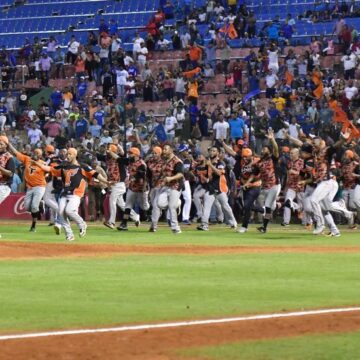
(250, 185)
(116, 166)
(154, 166)
(74, 178)
(35, 182)
(294, 189)
(356, 194)
(137, 186)
(269, 180)
(168, 196)
(326, 188)
(349, 180)
(188, 163)
(201, 174)
(7, 169)
(54, 185)
(217, 189)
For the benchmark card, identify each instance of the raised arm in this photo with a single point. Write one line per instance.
(228, 149)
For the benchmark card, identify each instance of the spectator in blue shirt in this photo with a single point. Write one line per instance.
(237, 126)
(254, 81)
(103, 27)
(81, 88)
(81, 127)
(273, 32)
(16, 182)
(95, 129)
(3, 109)
(113, 27)
(56, 99)
(99, 115)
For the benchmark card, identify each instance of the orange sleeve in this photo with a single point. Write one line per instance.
(55, 172)
(21, 157)
(88, 174)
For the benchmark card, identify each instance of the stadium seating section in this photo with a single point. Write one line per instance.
(62, 18)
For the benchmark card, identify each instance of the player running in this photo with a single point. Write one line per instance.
(34, 180)
(7, 169)
(74, 177)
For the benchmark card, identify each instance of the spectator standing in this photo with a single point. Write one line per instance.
(73, 50)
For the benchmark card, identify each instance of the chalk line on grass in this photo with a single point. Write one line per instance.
(179, 323)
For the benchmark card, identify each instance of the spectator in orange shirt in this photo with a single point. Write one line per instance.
(195, 52)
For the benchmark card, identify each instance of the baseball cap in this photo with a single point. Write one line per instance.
(349, 154)
(134, 151)
(182, 148)
(157, 150)
(49, 149)
(246, 152)
(113, 148)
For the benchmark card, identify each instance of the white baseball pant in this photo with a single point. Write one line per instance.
(116, 199)
(198, 197)
(5, 191)
(223, 201)
(218, 210)
(69, 210)
(322, 199)
(292, 195)
(50, 201)
(186, 194)
(33, 197)
(133, 198)
(271, 195)
(356, 197)
(350, 198)
(166, 197)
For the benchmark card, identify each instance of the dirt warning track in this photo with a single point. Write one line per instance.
(30, 250)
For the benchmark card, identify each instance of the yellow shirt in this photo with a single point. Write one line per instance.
(279, 103)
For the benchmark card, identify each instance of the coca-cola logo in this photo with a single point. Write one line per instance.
(19, 207)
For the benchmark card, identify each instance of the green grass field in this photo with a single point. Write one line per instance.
(63, 293)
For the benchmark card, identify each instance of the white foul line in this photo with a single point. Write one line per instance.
(178, 324)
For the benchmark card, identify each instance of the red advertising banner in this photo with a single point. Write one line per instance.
(13, 208)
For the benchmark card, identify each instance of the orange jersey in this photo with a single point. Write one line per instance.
(33, 174)
(74, 178)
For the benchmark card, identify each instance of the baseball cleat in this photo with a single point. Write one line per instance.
(137, 223)
(70, 238)
(242, 230)
(319, 230)
(261, 229)
(122, 227)
(83, 231)
(334, 233)
(57, 229)
(176, 231)
(202, 228)
(109, 225)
